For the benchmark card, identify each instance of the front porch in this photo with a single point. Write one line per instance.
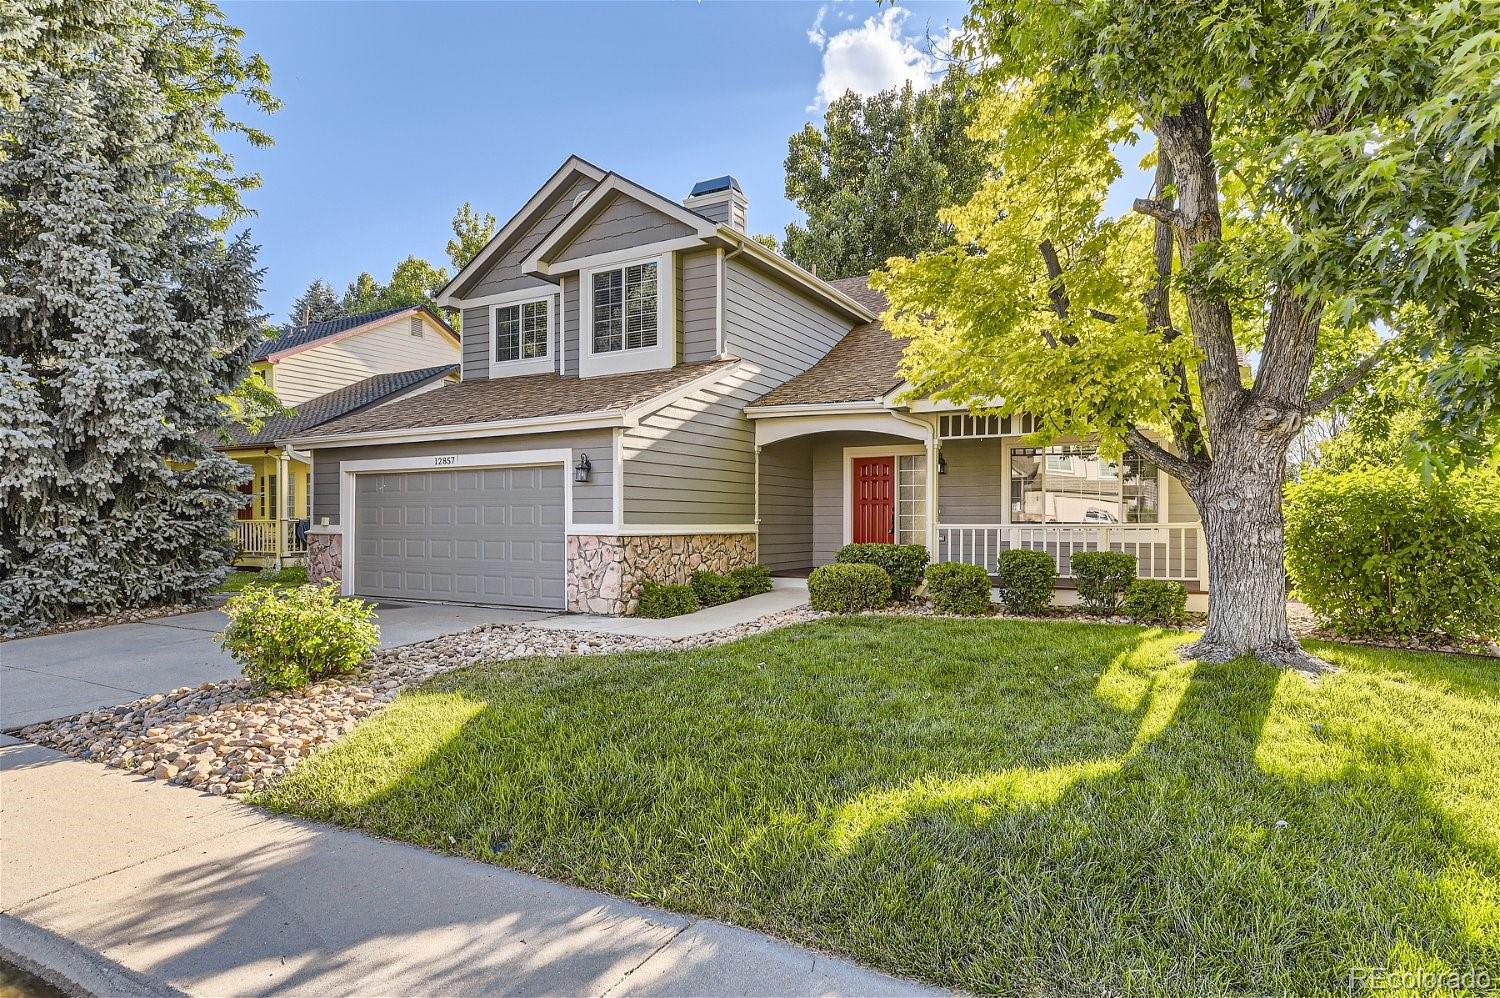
(968, 489)
(276, 499)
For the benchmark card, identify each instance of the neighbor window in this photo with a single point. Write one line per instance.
(521, 331)
(1073, 483)
(624, 308)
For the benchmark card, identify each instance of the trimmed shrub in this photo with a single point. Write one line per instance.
(955, 587)
(1025, 579)
(752, 580)
(1102, 578)
(284, 638)
(1376, 552)
(848, 588)
(711, 588)
(1155, 601)
(902, 562)
(660, 599)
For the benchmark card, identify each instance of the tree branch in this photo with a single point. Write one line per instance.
(1175, 465)
(1324, 399)
(1159, 210)
(1187, 431)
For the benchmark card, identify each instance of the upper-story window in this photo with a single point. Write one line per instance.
(627, 318)
(625, 307)
(521, 334)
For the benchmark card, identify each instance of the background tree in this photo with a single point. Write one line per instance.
(471, 231)
(318, 303)
(364, 294)
(414, 281)
(1318, 163)
(872, 180)
(124, 318)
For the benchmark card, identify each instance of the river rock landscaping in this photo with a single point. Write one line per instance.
(231, 737)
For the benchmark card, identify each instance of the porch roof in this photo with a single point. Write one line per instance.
(336, 404)
(861, 367)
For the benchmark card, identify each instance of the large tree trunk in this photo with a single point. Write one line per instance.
(1239, 500)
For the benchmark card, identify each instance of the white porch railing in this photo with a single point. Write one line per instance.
(258, 537)
(1161, 550)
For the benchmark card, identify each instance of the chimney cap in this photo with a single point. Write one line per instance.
(724, 183)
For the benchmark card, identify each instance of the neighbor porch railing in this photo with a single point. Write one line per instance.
(1161, 550)
(258, 537)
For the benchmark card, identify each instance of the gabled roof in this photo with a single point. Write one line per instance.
(573, 166)
(295, 338)
(574, 221)
(862, 367)
(524, 397)
(336, 404)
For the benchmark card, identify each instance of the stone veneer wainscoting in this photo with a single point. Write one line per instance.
(605, 573)
(325, 555)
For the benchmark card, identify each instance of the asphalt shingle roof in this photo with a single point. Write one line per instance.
(862, 366)
(341, 402)
(531, 396)
(296, 336)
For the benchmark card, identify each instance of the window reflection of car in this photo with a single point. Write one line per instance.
(1099, 516)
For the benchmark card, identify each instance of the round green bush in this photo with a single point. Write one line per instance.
(1102, 578)
(957, 588)
(712, 589)
(660, 599)
(752, 579)
(1155, 601)
(848, 588)
(902, 562)
(1378, 552)
(286, 638)
(1025, 580)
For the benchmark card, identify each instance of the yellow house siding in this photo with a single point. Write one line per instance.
(383, 349)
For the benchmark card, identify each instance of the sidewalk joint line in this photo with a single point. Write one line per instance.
(650, 956)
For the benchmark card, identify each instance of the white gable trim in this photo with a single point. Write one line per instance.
(613, 184)
(565, 173)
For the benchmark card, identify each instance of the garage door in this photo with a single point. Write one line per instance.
(481, 535)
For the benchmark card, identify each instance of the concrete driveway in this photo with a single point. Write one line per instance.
(61, 674)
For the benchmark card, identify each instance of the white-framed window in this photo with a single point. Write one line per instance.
(1074, 483)
(911, 499)
(627, 322)
(522, 330)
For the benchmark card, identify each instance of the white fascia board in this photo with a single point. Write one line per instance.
(801, 277)
(817, 409)
(935, 405)
(460, 431)
(517, 221)
(612, 184)
(656, 403)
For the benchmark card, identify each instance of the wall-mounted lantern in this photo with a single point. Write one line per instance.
(942, 464)
(582, 468)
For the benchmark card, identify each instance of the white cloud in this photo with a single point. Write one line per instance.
(871, 57)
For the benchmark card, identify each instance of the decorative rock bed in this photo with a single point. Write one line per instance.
(231, 738)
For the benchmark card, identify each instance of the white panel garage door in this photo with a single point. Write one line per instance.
(481, 535)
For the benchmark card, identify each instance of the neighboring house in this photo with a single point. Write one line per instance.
(323, 371)
(647, 390)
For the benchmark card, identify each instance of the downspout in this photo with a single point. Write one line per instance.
(723, 259)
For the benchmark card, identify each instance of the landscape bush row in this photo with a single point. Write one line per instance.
(706, 588)
(872, 576)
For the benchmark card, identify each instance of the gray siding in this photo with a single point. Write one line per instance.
(570, 326)
(592, 500)
(622, 223)
(786, 505)
(972, 491)
(775, 326)
(698, 305)
(828, 487)
(504, 274)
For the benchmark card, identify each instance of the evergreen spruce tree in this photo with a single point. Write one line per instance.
(318, 303)
(124, 317)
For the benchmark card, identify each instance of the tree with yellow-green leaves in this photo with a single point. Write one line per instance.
(1321, 169)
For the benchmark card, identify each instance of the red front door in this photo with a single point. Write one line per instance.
(874, 500)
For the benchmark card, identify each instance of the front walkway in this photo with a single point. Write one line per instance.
(784, 595)
(209, 896)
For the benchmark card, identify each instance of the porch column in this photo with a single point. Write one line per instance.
(933, 445)
(278, 523)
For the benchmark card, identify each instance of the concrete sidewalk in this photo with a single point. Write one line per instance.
(213, 897)
(785, 594)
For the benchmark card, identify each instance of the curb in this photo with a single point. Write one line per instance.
(70, 967)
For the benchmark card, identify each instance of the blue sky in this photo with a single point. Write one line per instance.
(396, 113)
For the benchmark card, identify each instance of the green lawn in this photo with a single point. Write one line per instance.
(239, 580)
(1000, 806)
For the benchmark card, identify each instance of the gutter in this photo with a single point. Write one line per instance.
(597, 419)
(815, 409)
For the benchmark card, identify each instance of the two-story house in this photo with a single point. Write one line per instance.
(322, 371)
(646, 390)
